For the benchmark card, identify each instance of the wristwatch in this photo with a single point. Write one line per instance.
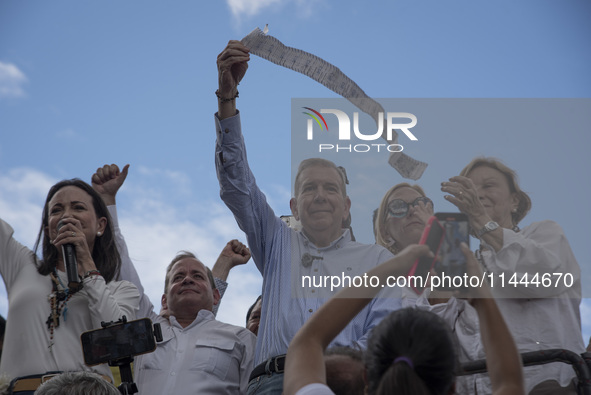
(488, 227)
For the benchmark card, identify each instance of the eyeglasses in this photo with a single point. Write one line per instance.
(398, 208)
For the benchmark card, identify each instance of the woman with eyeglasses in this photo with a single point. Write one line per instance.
(402, 216)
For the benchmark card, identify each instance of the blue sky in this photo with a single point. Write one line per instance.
(88, 83)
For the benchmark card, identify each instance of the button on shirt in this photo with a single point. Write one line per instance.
(277, 251)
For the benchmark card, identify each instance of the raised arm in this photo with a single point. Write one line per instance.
(13, 255)
(238, 188)
(234, 253)
(305, 362)
(232, 65)
(107, 181)
(502, 358)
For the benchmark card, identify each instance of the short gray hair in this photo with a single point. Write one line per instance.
(321, 162)
(77, 383)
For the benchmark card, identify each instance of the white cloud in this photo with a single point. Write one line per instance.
(241, 8)
(11, 81)
(249, 8)
(172, 179)
(22, 194)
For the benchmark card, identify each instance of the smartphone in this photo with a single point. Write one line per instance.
(433, 237)
(118, 341)
(451, 260)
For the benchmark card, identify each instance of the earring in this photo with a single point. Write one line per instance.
(514, 210)
(98, 233)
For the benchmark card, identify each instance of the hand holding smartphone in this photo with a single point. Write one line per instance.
(433, 235)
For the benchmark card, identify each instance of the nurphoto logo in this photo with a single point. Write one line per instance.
(344, 130)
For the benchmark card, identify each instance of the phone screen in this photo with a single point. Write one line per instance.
(451, 260)
(118, 341)
(432, 236)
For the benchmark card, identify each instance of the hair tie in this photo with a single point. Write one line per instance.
(404, 359)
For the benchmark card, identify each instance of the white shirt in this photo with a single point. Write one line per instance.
(206, 357)
(27, 348)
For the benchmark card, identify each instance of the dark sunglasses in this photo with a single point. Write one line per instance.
(398, 208)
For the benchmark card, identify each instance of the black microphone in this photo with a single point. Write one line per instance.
(69, 252)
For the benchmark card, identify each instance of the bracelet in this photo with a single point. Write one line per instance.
(225, 99)
(92, 273)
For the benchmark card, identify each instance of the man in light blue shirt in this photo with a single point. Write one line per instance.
(294, 264)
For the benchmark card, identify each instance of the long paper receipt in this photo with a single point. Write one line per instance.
(273, 50)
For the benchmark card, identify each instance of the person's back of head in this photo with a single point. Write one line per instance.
(410, 352)
(344, 370)
(77, 383)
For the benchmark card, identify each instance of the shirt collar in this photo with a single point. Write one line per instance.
(344, 238)
(203, 315)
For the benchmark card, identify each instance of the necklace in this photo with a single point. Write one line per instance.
(478, 252)
(58, 300)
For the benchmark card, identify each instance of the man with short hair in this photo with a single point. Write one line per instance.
(198, 355)
(284, 256)
(181, 299)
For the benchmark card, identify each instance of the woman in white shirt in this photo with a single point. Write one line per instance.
(47, 314)
(535, 276)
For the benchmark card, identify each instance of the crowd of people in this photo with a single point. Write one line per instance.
(296, 340)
